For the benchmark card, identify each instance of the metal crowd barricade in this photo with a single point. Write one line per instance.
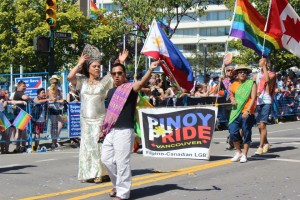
(12, 134)
(285, 107)
(49, 120)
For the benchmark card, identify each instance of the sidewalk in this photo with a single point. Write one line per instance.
(64, 144)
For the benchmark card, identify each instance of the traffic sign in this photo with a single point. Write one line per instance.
(62, 35)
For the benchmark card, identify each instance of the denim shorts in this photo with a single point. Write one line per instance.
(244, 124)
(263, 112)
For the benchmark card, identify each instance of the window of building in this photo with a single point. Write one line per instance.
(186, 33)
(212, 16)
(110, 7)
(220, 31)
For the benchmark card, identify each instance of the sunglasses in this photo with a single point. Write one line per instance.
(117, 73)
(243, 72)
(229, 70)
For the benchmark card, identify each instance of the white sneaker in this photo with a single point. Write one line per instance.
(236, 157)
(243, 159)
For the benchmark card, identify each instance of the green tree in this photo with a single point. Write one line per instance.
(22, 20)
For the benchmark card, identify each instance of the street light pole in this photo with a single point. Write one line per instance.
(205, 57)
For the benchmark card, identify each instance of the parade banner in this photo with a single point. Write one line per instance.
(184, 132)
(74, 119)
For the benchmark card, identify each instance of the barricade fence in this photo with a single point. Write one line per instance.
(54, 121)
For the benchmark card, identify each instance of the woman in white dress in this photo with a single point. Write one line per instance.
(92, 95)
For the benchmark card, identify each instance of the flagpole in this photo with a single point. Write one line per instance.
(170, 74)
(23, 110)
(265, 29)
(233, 16)
(226, 48)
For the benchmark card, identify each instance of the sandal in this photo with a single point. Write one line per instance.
(113, 193)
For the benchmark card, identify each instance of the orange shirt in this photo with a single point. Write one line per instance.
(233, 87)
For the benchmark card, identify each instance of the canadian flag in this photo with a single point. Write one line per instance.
(284, 23)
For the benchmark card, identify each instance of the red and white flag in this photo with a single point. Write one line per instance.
(284, 22)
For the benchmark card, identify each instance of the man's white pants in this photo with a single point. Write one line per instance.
(115, 156)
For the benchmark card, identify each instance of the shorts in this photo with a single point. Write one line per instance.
(263, 112)
(39, 127)
(244, 124)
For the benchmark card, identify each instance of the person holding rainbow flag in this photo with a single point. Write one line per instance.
(243, 98)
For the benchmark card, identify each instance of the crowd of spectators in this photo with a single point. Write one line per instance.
(158, 91)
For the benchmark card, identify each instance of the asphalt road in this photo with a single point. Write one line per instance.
(275, 175)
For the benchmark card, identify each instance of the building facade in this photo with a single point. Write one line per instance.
(196, 33)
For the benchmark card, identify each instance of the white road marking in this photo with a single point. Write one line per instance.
(269, 138)
(284, 130)
(276, 159)
(45, 160)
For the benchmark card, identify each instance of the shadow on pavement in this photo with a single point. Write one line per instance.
(15, 168)
(141, 193)
(137, 172)
(271, 152)
(280, 149)
(215, 158)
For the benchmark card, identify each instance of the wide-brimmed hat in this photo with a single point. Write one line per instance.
(243, 67)
(54, 79)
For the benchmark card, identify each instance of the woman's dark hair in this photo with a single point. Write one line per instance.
(119, 65)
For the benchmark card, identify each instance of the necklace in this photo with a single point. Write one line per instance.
(93, 82)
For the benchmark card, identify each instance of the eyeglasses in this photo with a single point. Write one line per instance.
(229, 70)
(117, 73)
(242, 72)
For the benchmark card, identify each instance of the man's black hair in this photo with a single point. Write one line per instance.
(40, 90)
(119, 65)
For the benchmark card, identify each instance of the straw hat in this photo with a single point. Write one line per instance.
(243, 67)
(54, 79)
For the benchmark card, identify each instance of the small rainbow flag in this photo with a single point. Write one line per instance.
(142, 103)
(22, 120)
(93, 6)
(4, 122)
(248, 25)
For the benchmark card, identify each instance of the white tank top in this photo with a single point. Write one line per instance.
(264, 98)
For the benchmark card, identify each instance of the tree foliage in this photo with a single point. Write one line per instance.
(22, 20)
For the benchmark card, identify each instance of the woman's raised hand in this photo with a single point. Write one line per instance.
(82, 59)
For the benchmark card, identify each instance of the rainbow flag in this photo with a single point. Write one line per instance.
(4, 122)
(22, 120)
(248, 25)
(93, 6)
(142, 103)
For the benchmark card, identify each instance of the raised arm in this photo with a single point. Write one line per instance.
(72, 74)
(122, 56)
(139, 84)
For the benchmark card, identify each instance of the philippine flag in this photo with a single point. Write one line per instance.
(159, 46)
